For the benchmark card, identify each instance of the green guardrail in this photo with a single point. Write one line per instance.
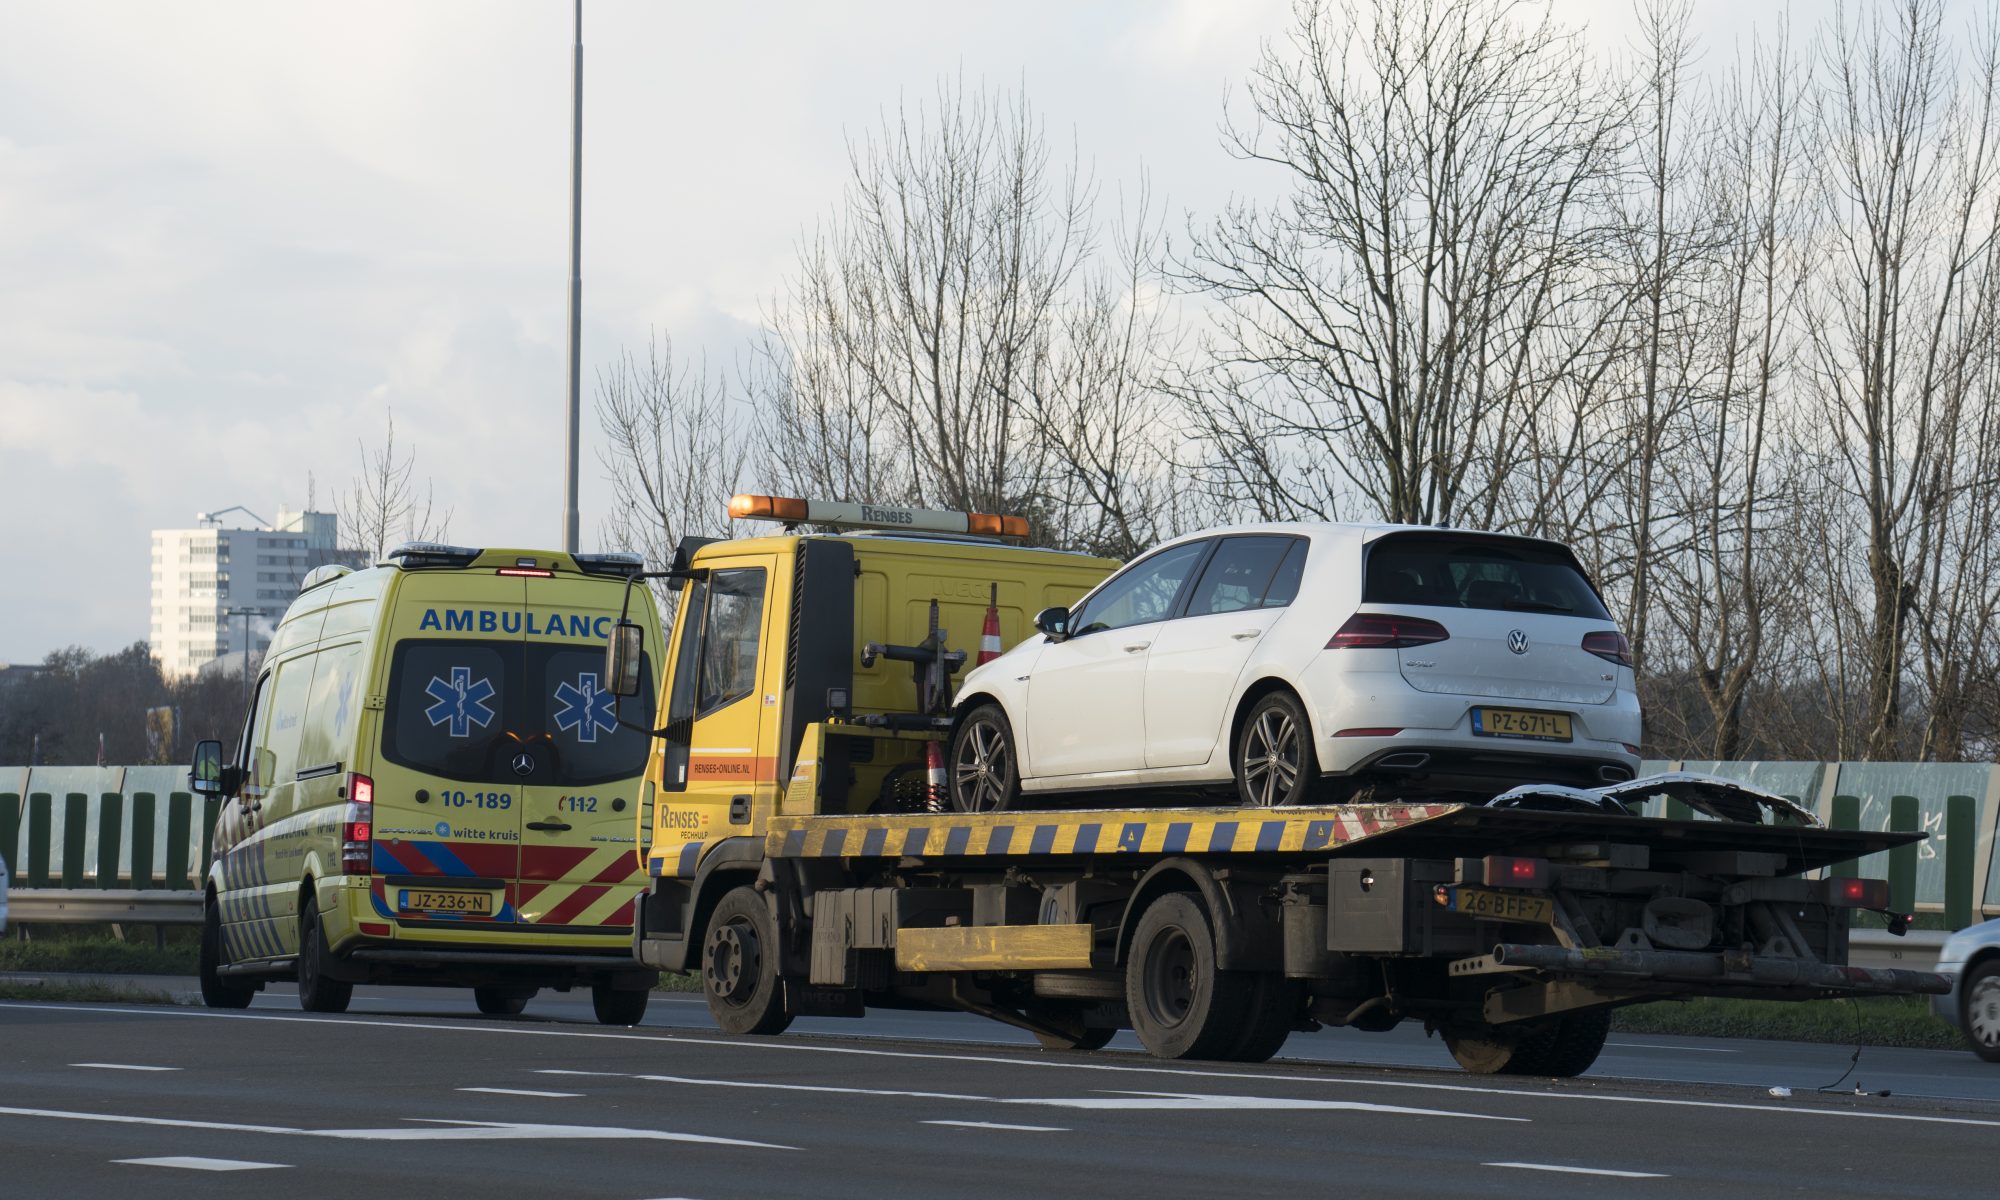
(144, 841)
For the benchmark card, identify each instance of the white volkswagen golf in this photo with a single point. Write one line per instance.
(1310, 662)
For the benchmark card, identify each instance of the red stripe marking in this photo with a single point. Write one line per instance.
(622, 868)
(622, 915)
(408, 858)
(564, 913)
(550, 862)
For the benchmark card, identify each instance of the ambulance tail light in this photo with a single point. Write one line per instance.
(841, 515)
(357, 826)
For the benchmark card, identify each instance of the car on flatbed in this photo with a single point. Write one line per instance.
(1291, 662)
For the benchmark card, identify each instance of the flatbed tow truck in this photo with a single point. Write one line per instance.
(796, 858)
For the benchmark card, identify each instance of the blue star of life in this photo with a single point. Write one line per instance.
(584, 708)
(461, 702)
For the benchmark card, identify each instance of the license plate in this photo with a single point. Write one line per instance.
(1521, 723)
(471, 904)
(1501, 906)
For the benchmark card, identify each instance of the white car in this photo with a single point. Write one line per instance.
(1972, 958)
(1307, 662)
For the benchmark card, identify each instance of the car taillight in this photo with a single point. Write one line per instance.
(1855, 893)
(1503, 871)
(1385, 631)
(357, 826)
(1609, 645)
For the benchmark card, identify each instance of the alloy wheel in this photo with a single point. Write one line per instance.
(1271, 757)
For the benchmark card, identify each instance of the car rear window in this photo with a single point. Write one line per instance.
(1492, 573)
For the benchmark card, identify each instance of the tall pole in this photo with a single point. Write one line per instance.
(575, 286)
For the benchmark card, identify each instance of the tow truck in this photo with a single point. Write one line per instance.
(798, 855)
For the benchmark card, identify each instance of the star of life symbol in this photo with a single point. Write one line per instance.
(584, 708)
(461, 701)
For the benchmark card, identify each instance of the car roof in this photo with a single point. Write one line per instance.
(1352, 531)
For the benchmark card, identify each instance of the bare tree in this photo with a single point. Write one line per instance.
(383, 507)
(674, 452)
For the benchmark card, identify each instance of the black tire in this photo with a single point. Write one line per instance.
(218, 991)
(1182, 1004)
(1575, 1044)
(1514, 1049)
(1275, 761)
(318, 992)
(1979, 1009)
(739, 966)
(1276, 1004)
(618, 1006)
(500, 1001)
(985, 769)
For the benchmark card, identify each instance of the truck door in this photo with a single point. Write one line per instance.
(578, 869)
(719, 749)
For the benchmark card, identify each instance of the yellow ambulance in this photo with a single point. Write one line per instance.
(435, 785)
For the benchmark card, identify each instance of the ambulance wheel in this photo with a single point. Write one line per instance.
(985, 771)
(739, 966)
(216, 990)
(1275, 763)
(1276, 1004)
(1182, 1004)
(502, 1002)
(317, 991)
(616, 1005)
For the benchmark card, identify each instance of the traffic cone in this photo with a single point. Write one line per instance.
(935, 796)
(989, 637)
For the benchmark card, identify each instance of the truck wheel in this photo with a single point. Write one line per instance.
(317, 992)
(1506, 1050)
(616, 1005)
(1575, 1044)
(1182, 1004)
(500, 1001)
(985, 771)
(216, 990)
(1980, 1014)
(739, 966)
(1275, 763)
(1276, 1004)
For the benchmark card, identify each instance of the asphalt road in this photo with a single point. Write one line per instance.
(103, 1099)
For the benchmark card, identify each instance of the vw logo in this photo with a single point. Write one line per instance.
(1516, 641)
(524, 762)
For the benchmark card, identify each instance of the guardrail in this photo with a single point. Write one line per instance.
(106, 858)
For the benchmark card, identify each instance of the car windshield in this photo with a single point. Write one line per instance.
(1494, 573)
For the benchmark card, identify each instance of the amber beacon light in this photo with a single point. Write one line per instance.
(841, 515)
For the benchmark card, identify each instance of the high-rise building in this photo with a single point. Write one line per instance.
(204, 577)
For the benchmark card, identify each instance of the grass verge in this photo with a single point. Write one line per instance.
(98, 954)
(1904, 1021)
(678, 981)
(79, 991)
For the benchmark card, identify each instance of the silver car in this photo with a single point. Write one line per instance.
(1972, 958)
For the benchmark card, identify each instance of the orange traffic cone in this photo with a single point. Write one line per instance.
(935, 797)
(989, 637)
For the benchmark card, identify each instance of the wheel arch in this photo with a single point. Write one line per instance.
(1257, 690)
(1245, 939)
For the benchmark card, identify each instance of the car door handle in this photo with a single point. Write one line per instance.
(1244, 635)
(1135, 647)
(551, 826)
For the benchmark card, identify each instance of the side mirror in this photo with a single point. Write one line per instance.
(621, 658)
(205, 776)
(1054, 622)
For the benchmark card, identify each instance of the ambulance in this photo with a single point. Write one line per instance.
(434, 785)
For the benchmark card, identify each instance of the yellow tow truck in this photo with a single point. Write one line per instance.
(798, 854)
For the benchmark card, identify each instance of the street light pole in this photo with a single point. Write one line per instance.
(575, 285)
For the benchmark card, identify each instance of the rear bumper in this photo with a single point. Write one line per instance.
(448, 967)
(1727, 973)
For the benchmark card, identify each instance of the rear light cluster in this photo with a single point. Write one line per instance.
(1504, 871)
(1385, 631)
(357, 826)
(1855, 893)
(1609, 645)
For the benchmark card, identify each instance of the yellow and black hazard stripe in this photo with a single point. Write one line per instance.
(1133, 831)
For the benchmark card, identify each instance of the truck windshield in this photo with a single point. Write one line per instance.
(1455, 571)
(463, 709)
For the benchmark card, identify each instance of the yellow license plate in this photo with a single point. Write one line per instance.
(1521, 723)
(1501, 906)
(471, 904)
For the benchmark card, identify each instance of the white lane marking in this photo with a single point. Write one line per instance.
(191, 1163)
(998, 1125)
(1580, 1170)
(1675, 1049)
(1112, 1101)
(523, 1092)
(426, 1130)
(683, 1038)
(122, 1067)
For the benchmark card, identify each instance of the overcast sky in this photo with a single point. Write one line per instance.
(233, 235)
